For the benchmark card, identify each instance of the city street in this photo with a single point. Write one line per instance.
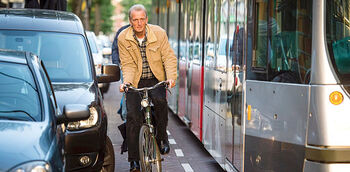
(187, 153)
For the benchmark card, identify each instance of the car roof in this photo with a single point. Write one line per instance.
(40, 20)
(13, 56)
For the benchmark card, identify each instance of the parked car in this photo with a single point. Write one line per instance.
(96, 51)
(98, 58)
(58, 38)
(31, 124)
(106, 45)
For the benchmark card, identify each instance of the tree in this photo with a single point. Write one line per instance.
(94, 14)
(81, 9)
(101, 14)
(127, 4)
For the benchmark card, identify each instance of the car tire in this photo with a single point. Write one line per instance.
(109, 158)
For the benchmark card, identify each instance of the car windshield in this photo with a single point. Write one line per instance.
(65, 55)
(338, 37)
(19, 98)
(91, 38)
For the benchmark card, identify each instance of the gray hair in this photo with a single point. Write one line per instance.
(137, 7)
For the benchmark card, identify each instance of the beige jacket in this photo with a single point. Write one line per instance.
(160, 55)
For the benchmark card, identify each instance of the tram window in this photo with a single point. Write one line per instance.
(221, 57)
(338, 37)
(282, 44)
(209, 59)
(260, 44)
(236, 47)
(196, 53)
(290, 58)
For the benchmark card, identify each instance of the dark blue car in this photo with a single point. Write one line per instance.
(31, 124)
(58, 38)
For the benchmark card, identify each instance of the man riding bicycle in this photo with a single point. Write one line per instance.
(146, 58)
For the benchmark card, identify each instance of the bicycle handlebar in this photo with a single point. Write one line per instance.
(128, 86)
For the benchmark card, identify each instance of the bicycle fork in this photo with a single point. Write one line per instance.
(148, 122)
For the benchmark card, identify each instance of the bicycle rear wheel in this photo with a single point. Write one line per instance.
(149, 152)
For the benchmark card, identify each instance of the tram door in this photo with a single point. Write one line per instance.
(195, 67)
(173, 34)
(215, 78)
(183, 60)
(235, 80)
(191, 47)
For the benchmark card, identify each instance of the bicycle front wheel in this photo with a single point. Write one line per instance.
(149, 151)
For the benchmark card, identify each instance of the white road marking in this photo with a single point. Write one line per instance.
(187, 167)
(172, 141)
(179, 152)
(167, 131)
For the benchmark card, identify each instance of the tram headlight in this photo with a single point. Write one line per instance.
(144, 103)
(336, 97)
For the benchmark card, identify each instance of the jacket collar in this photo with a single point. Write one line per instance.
(151, 37)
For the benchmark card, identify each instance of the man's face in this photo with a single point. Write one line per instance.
(138, 20)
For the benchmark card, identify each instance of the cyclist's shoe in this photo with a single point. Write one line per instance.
(134, 166)
(164, 147)
(123, 147)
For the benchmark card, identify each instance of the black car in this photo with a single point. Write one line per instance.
(58, 38)
(31, 124)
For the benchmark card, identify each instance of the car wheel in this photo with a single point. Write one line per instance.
(109, 159)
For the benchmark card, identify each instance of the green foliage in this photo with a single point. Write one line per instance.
(106, 10)
(69, 5)
(127, 4)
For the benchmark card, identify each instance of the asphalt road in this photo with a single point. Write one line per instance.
(187, 153)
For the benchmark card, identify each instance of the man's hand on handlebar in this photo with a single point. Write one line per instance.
(168, 83)
(171, 83)
(122, 86)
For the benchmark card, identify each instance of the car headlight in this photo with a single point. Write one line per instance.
(88, 123)
(34, 166)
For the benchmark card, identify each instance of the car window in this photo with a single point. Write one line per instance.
(19, 98)
(48, 86)
(91, 38)
(65, 55)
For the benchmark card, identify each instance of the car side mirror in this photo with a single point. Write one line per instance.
(73, 112)
(109, 73)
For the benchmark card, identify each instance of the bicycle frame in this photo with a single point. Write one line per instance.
(149, 155)
(147, 112)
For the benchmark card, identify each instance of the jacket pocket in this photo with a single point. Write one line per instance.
(154, 48)
(131, 48)
(154, 53)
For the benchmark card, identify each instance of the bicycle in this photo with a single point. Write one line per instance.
(149, 151)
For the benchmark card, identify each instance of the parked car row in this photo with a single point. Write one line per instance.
(105, 45)
(99, 58)
(61, 79)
